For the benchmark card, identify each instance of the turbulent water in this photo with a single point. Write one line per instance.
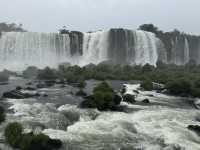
(21, 49)
(160, 125)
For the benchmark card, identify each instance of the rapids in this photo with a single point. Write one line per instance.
(160, 125)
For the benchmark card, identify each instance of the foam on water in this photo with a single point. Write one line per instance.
(155, 126)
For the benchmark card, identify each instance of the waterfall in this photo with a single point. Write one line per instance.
(95, 47)
(33, 49)
(145, 48)
(186, 52)
(21, 49)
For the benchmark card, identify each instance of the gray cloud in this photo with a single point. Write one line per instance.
(85, 15)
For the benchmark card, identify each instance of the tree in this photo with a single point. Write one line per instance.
(103, 87)
(13, 134)
(179, 87)
(148, 28)
(47, 74)
(147, 85)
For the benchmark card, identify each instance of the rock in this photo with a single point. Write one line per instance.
(18, 88)
(123, 90)
(17, 94)
(129, 98)
(62, 86)
(81, 93)
(54, 143)
(29, 83)
(60, 82)
(50, 83)
(41, 85)
(136, 91)
(158, 86)
(146, 101)
(13, 95)
(30, 88)
(45, 95)
(117, 99)
(194, 128)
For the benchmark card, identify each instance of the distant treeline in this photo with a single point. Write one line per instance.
(180, 80)
(5, 27)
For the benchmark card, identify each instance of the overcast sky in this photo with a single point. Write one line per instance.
(86, 15)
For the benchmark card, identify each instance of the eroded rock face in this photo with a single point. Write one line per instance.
(129, 98)
(194, 128)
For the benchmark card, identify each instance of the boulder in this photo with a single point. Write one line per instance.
(117, 99)
(30, 88)
(146, 101)
(194, 128)
(13, 95)
(41, 85)
(17, 94)
(129, 98)
(18, 88)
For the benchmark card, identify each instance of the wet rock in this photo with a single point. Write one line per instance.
(18, 88)
(45, 95)
(136, 91)
(13, 95)
(129, 98)
(62, 86)
(18, 94)
(29, 83)
(194, 128)
(30, 88)
(54, 143)
(81, 93)
(117, 99)
(123, 90)
(50, 83)
(147, 101)
(41, 85)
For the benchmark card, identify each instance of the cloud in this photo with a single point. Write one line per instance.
(84, 15)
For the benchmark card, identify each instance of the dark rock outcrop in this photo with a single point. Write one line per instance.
(146, 101)
(129, 98)
(194, 128)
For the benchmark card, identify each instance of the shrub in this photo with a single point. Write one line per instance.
(82, 84)
(103, 98)
(13, 134)
(103, 87)
(179, 87)
(30, 72)
(47, 74)
(147, 85)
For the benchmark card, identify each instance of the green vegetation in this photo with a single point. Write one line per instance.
(17, 139)
(103, 98)
(179, 80)
(2, 115)
(13, 134)
(30, 72)
(81, 86)
(47, 74)
(147, 85)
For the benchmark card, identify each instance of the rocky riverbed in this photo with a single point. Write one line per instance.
(159, 124)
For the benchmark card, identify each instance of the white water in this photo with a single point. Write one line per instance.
(186, 52)
(160, 125)
(19, 50)
(95, 47)
(145, 48)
